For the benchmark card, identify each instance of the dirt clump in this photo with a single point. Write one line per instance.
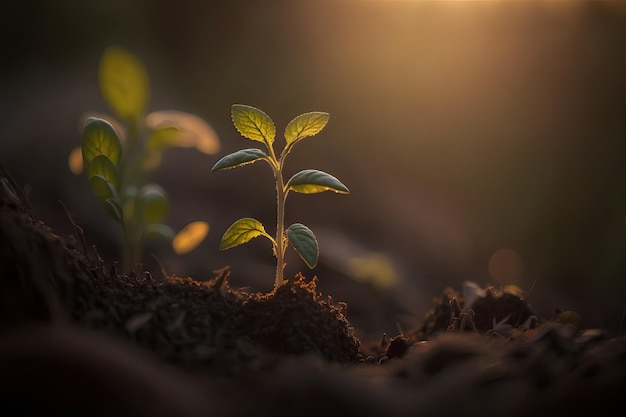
(294, 319)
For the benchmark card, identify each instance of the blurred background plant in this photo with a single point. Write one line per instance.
(118, 161)
(460, 127)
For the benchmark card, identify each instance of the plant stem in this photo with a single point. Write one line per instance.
(129, 181)
(281, 195)
(280, 228)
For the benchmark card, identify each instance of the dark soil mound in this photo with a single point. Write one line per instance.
(193, 324)
(79, 338)
(294, 319)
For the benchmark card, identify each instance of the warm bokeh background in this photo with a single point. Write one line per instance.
(460, 128)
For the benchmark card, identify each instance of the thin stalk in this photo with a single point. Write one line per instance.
(281, 195)
(129, 180)
(280, 229)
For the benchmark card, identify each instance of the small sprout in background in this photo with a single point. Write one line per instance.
(255, 125)
(118, 156)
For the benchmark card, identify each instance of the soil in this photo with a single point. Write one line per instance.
(77, 337)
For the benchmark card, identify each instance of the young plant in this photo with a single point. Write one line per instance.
(119, 156)
(255, 125)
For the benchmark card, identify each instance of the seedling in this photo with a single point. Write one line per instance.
(119, 156)
(255, 125)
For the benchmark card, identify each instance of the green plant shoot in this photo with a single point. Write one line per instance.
(255, 125)
(118, 156)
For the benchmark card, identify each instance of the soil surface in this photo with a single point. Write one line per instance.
(77, 337)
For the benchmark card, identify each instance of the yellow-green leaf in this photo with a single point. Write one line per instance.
(253, 124)
(166, 137)
(102, 166)
(113, 209)
(374, 268)
(100, 138)
(190, 237)
(311, 181)
(152, 203)
(242, 157)
(102, 188)
(242, 231)
(302, 239)
(124, 84)
(176, 128)
(307, 124)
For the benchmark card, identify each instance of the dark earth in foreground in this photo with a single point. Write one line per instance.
(79, 338)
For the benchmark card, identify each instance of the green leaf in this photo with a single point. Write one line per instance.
(242, 231)
(102, 187)
(304, 242)
(242, 157)
(176, 128)
(164, 137)
(307, 124)
(159, 232)
(102, 166)
(190, 237)
(152, 203)
(100, 138)
(253, 124)
(124, 84)
(311, 181)
(113, 209)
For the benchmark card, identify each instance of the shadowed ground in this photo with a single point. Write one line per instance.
(79, 339)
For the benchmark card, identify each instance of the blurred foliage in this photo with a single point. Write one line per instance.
(118, 165)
